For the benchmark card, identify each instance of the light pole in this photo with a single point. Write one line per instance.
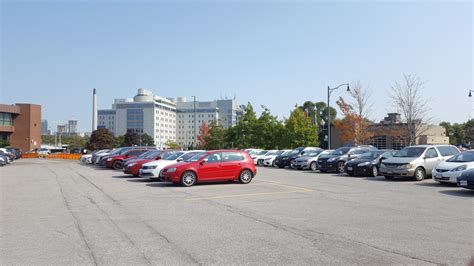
(470, 93)
(330, 90)
(195, 137)
(472, 105)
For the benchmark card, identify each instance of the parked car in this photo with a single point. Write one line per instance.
(152, 169)
(133, 166)
(119, 151)
(309, 160)
(416, 161)
(97, 155)
(3, 160)
(15, 151)
(150, 152)
(466, 179)
(368, 164)
(258, 158)
(116, 161)
(449, 170)
(269, 158)
(44, 151)
(219, 165)
(335, 161)
(286, 160)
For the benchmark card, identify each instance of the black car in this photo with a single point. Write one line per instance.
(286, 160)
(368, 163)
(466, 180)
(334, 162)
(15, 151)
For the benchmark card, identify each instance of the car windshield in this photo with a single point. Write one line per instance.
(467, 156)
(174, 156)
(167, 154)
(196, 157)
(262, 153)
(152, 154)
(274, 153)
(370, 155)
(295, 151)
(312, 153)
(341, 151)
(189, 155)
(145, 154)
(411, 152)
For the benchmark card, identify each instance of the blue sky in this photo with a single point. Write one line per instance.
(275, 54)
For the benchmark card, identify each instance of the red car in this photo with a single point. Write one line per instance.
(116, 162)
(135, 165)
(219, 165)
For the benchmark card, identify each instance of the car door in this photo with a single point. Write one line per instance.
(211, 167)
(431, 159)
(231, 164)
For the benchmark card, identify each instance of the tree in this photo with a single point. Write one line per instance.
(408, 99)
(172, 145)
(204, 132)
(216, 137)
(131, 139)
(361, 100)
(299, 130)
(268, 131)
(469, 132)
(101, 139)
(354, 127)
(243, 135)
(146, 140)
(4, 143)
(120, 141)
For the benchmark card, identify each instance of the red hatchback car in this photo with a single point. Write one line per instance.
(219, 165)
(116, 162)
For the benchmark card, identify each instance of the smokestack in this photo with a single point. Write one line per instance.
(94, 111)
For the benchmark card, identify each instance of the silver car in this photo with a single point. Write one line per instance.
(416, 161)
(309, 161)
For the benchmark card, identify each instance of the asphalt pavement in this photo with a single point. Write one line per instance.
(65, 212)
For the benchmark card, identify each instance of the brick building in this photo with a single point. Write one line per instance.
(20, 124)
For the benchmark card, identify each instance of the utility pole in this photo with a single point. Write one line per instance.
(330, 90)
(195, 130)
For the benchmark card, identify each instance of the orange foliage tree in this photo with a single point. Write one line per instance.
(353, 127)
(203, 133)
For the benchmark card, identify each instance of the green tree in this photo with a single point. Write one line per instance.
(147, 140)
(268, 131)
(469, 132)
(299, 130)
(120, 141)
(131, 139)
(172, 145)
(101, 139)
(215, 139)
(243, 135)
(4, 143)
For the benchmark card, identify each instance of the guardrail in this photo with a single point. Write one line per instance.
(65, 156)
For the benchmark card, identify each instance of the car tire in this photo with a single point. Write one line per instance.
(273, 164)
(245, 176)
(340, 167)
(260, 162)
(117, 165)
(419, 174)
(313, 166)
(188, 178)
(388, 177)
(375, 171)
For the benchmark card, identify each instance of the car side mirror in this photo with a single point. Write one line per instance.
(179, 160)
(349, 155)
(202, 162)
(383, 158)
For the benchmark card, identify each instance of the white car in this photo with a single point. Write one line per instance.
(86, 158)
(258, 158)
(44, 151)
(449, 170)
(152, 169)
(269, 158)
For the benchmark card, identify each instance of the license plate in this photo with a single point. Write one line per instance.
(349, 168)
(463, 183)
(438, 175)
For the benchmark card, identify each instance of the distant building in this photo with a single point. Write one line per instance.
(61, 129)
(44, 127)
(144, 113)
(20, 124)
(72, 126)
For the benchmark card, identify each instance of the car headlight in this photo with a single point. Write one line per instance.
(363, 164)
(331, 159)
(406, 166)
(171, 170)
(109, 159)
(459, 168)
(131, 164)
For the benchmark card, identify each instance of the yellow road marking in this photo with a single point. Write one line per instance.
(252, 194)
(284, 185)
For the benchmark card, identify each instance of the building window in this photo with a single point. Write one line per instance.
(6, 119)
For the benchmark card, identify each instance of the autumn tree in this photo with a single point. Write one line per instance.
(353, 127)
(101, 139)
(204, 132)
(408, 99)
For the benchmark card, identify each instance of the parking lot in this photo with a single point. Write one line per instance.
(64, 212)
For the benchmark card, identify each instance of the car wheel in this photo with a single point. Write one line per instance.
(313, 166)
(117, 165)
(375, 171)
(389, 177)
(273, 164)
(188, 178)
(419, 174)
(340, 167)
(245, 176)
(260, 162)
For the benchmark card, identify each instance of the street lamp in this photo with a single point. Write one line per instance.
(330, 90)
(470, 93)
(195, 137)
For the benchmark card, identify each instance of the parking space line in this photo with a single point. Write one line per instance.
(251, 194)
(285, 185)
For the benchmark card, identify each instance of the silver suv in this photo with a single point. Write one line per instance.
(416, 161)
